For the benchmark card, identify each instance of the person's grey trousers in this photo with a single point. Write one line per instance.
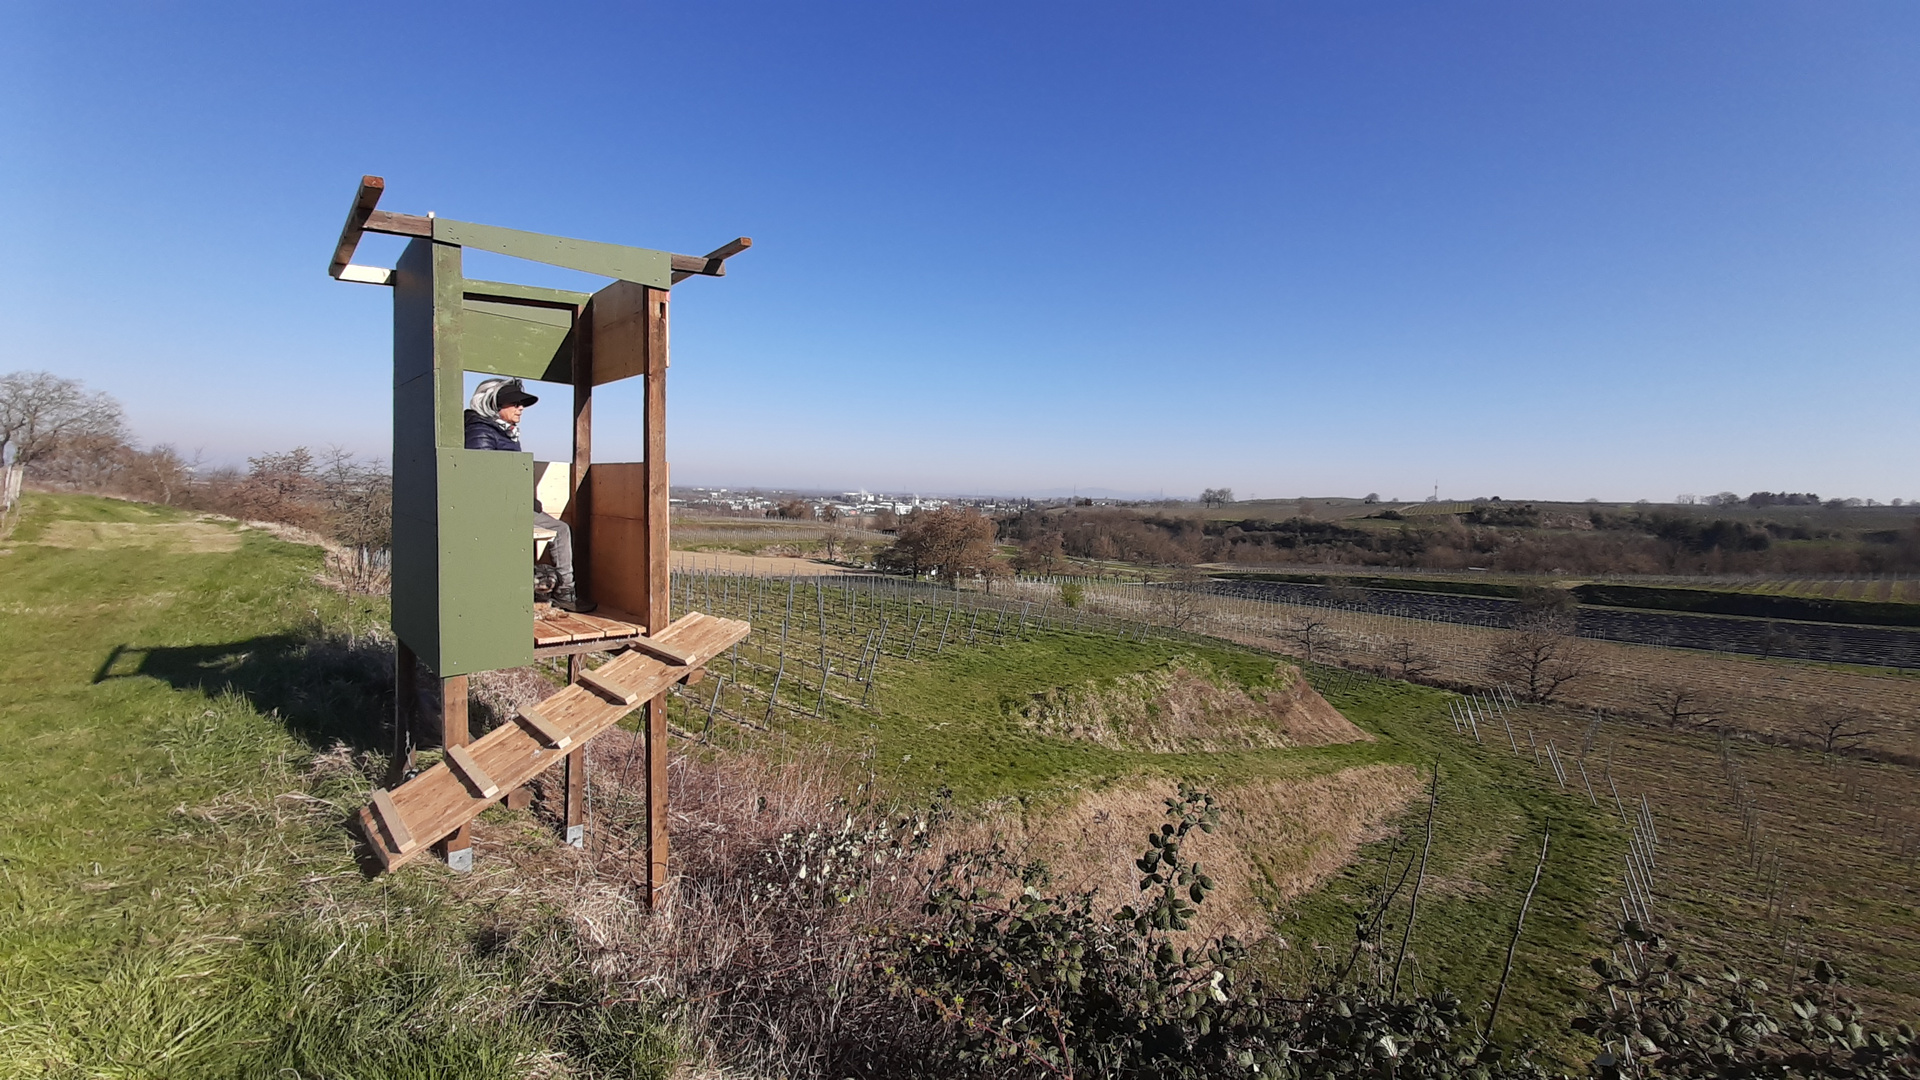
(561, 545)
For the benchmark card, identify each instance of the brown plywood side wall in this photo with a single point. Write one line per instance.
(619, 315)
(618, 495)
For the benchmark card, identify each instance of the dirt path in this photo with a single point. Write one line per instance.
(759, 566)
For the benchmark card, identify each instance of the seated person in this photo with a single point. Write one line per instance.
(493, 423)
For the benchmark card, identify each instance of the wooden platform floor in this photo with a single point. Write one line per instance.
(553, 627)
(401, 823)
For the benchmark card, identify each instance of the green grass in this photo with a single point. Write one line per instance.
(1492, 809)
(180, 899)
(950, 721)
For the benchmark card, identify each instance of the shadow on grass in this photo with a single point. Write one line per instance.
(326, 688)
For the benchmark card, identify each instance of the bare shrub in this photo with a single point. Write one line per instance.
(764, 941)
(1681, 705)
(1177, 602)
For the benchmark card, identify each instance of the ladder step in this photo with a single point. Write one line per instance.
(545, 729)
(390, 820)
(622, 694)
(659, 651)
(470, 770)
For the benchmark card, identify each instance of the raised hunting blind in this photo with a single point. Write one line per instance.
(464, 542)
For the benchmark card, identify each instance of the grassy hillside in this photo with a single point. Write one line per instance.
(181, 900)
(185, 720)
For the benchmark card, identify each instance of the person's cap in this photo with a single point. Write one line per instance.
(512, 394)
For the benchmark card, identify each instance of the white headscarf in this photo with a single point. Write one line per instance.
(485, 401)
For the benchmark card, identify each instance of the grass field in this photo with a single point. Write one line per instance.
(944, 720)
(185, 729)
(181, 900)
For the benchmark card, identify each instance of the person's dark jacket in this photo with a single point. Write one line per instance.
(484, 434)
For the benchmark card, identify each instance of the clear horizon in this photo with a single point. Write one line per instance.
(1583, 251)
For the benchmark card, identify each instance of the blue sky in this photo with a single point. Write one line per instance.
(1559, 250)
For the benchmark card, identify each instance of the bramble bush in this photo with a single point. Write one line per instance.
(1033, 984)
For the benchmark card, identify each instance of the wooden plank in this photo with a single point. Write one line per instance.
(390, 819)
(545, 634)
(581, 631)
(366, 275)
(376, 840)
(607, 627)
(381, 221)
(619, 320)
(470, 770)
(659, 651)
(364, 200)
(550, 733)
(611, 688)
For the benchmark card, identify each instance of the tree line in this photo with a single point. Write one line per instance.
(1511, 537)
(65, 437)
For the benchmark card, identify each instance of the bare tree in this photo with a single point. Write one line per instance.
(1681, 705)
(1837, 729)
(1409, 660)
(39, 411)
(1541, 660)
(1177, 602)
(1312, 633)
(1219, 496)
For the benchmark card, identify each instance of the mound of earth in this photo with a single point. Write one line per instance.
(1186, 706)
(1278, 838)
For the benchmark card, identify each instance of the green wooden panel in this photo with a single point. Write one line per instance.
(475, 289)
(638, 265)
(450, 393)
(485, 561)
(517, 340)
(416, 490)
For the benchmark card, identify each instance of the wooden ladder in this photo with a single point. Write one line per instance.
(401, 823)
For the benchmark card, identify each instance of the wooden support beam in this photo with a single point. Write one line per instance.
(573, 812)
(469, 770)
(381, 221)
(543, 728)
(579, 512)
(364, 200)
(659, 595)
(576, 810)
(613, 690)
(712, 264)
(457, 848)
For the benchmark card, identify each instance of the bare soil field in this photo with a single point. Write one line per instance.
(1778, 699)
(727, 562)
